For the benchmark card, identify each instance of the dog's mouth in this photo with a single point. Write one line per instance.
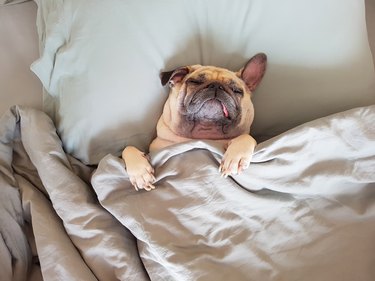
(212, 104)
(225, 110)
(211, 111)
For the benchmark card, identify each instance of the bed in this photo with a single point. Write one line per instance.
(79, 82)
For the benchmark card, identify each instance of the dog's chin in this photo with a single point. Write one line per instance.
(207, 129)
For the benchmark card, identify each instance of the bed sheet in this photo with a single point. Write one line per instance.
(305, 209)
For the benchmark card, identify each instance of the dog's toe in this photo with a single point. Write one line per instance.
(244, 164)
(149, 187)
(234, 166)
(148, 180)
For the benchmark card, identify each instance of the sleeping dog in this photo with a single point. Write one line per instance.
(205, 102)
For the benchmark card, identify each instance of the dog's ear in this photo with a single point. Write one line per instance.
(174, 76)
(253, 71)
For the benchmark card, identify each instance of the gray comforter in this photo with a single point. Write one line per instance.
(304, 210)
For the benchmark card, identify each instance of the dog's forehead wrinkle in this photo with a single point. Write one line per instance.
(214, 73)
(202, 76)
(218, 74)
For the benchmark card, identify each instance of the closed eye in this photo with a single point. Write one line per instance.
(238, 91)
(195, 81)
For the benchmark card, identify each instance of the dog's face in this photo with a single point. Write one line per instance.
(207, 102)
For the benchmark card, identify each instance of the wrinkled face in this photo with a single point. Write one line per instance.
(209, 103)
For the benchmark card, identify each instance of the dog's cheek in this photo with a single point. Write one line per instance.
(248, 111)
(182, 94)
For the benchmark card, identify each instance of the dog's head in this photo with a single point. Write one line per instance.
(207, 102)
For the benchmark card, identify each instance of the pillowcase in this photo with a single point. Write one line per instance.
(100, 62)
(5, 2)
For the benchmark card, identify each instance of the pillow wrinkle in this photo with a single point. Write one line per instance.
(101, 60)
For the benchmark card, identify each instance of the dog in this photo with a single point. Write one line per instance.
(205, 102)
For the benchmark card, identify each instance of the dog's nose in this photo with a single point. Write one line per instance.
(215, 86)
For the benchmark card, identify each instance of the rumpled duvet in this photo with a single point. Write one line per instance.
(304, 210)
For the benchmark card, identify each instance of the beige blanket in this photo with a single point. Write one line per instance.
(305, 209)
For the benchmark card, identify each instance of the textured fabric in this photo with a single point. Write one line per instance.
(75, 238)
(100, 62)
(15, 254)
(18, 49)
(9, 2)
(305, 209)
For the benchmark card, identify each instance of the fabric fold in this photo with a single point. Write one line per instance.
(108, 251)
(306, 196)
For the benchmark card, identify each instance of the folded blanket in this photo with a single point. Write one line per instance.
(75, 238)
(15, 254)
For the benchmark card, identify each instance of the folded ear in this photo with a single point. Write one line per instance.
(174, 76)
(253, 71)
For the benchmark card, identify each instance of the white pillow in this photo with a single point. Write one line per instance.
(100, 62)
(9, 2)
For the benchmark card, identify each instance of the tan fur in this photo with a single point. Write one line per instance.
(177, 124)
(168, 124)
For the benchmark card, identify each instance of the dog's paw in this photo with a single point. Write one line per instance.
(140, 171)
(237, 156)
